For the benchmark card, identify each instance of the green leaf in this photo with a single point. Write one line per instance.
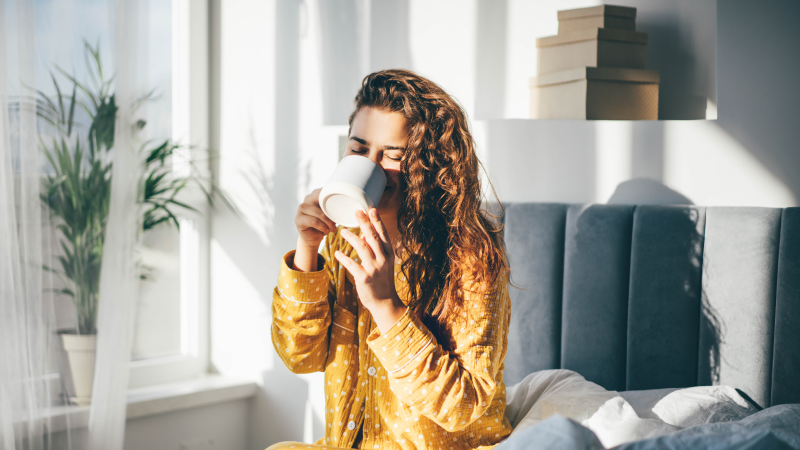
(183, 205)
(71, 110)
(60, 100)
(102, 129)
(88, 92)
(51, 107)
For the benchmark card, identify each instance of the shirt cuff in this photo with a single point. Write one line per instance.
(405, 342)
(302, 287)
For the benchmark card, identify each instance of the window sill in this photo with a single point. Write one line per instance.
(161, 399)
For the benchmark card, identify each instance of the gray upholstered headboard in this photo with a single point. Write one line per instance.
(647, 297)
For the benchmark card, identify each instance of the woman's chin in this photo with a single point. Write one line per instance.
(387, 203)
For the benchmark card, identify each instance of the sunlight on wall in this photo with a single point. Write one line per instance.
(240, 322)
(614, 158)
(706, 164)
(318, 155)
(527, 21)
(540, 160)
(318, 143)
(247, 106)
(277, 144)
(442, 40)
(711, 109)
(314, 423)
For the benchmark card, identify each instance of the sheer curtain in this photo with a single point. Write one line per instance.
(28, 341)
(119, 283)
(25, 325)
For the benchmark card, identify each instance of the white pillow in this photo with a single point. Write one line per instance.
(702, 404)
(616, 423)
(643, 401)
(549, 392)
(609, 414)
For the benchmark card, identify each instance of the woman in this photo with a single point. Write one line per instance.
(407, 314)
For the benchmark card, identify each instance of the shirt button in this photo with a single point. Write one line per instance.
(351, 425)
(371, 371)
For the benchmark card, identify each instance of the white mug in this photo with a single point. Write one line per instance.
(357, 183)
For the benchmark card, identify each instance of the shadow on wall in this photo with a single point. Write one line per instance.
(647, 150)
(667, 53)
(490, 58)
(683, 279)
(759, 95)
(681, 46)
(712, 329)
(389, 37)
(350, 49)
(640, 191)
(654, 326)
(341, 57)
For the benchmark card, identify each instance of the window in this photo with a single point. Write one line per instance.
(170, 341)
(170, 337)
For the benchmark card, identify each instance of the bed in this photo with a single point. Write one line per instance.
(651, 297)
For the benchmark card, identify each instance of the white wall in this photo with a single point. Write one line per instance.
(740, 159)
(285, 71)
(222, 426)
(256, 115)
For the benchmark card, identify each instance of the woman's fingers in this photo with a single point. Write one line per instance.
(372, 237)
(313, 210)
(380, 228)
(305, 222)
(353, 267)
(363, 250)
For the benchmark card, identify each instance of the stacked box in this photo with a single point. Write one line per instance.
(594, 68)
(603, 16)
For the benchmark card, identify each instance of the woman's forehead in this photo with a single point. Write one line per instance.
(378, 127)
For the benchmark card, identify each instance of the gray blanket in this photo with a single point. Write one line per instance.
(777, 428)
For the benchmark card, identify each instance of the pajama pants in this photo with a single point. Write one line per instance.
(301, 446)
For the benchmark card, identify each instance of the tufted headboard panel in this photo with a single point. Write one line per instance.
(648, 297)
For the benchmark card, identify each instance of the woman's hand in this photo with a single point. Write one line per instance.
(374, 277)
(312, 225)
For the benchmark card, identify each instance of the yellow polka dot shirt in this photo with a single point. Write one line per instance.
(406, 389)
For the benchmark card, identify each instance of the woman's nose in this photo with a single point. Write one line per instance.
(375, 157)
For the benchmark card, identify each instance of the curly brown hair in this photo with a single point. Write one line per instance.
(452, 241)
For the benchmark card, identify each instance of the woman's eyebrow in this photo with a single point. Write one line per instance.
(383, 147)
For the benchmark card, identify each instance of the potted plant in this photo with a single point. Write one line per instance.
(77, 194)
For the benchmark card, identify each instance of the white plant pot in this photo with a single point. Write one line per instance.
(81, 350)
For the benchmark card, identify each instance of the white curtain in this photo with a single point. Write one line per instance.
(25, 325)
(28, 343)
(119, 282)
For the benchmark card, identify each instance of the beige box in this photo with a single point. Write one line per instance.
(603, 16)
(596, 93)
(582, 23)
(596, 47)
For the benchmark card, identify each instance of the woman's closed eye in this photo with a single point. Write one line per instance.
(393, 157)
